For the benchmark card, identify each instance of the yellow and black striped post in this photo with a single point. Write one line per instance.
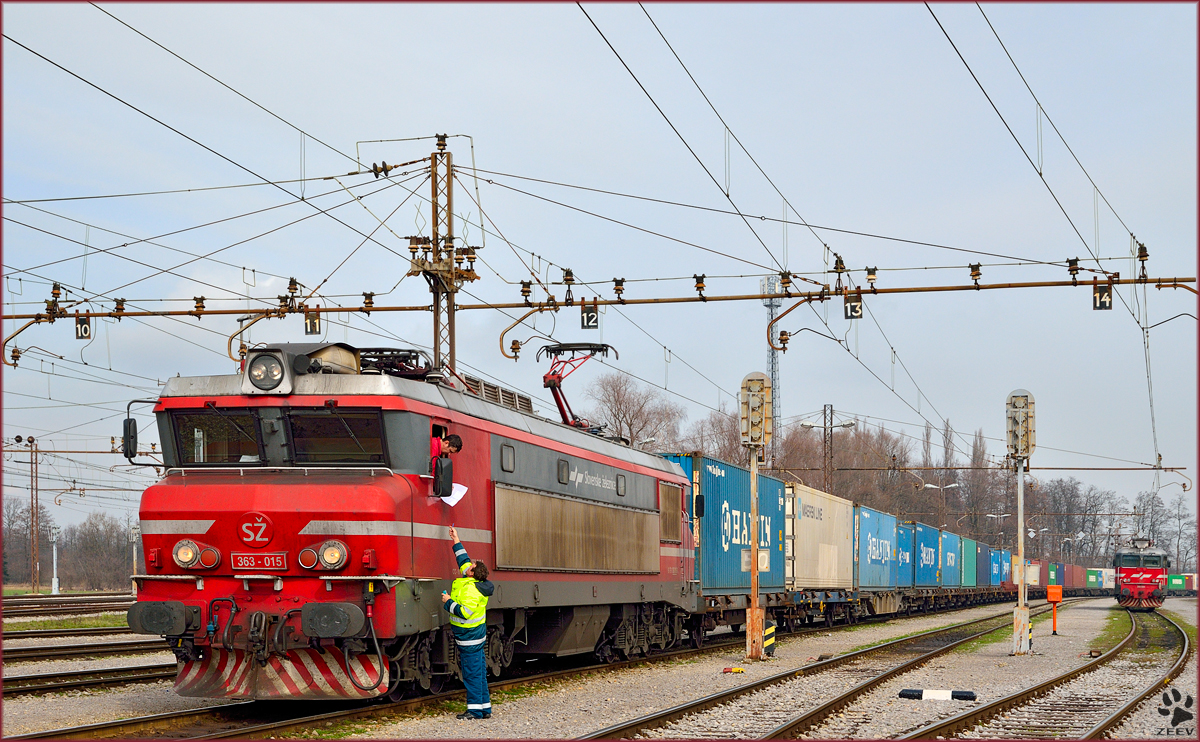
(769, 638)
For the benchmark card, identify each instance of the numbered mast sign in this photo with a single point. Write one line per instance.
(589, 316)
(1102, 297)
(83, 328)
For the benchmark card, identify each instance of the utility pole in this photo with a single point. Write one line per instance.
(441, 263)
(770, 285)
(827, 458)
(1020, 431)
(755, 403)
(34, 576)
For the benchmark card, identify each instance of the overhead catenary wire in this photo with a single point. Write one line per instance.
(840, 230)
(225, 85)
(1141, 322)
(189, 138)
(681, 137)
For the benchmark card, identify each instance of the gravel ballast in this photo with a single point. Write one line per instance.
(988, 671)
(575, 707)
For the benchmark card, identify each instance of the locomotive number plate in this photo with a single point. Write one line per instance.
(243, 560)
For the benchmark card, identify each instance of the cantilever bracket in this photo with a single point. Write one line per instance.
(785, 312)
(516, 343)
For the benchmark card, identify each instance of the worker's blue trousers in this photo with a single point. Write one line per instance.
(474, 673)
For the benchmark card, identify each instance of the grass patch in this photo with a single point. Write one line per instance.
(998, 635)
(1187, 622)
(82, 622)
(1116, 628)
(904, 636)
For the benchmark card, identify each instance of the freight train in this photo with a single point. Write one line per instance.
(297, 545)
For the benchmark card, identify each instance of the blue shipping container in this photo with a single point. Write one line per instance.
(1005, 566)
(926, 555)
(904, 556)
(983, 564)
(951, 560)
(725, 527)
(994, 559)
(874, 549)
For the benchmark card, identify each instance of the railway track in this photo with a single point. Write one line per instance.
(1085, 702)
(15, 685)
(78, 651)
(65, 633)
(253, 718)
(763, 709)
(67, 608)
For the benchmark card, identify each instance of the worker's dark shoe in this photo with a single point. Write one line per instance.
(487, 714)
(466, 715)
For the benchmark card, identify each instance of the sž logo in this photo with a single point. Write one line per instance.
(255, 530)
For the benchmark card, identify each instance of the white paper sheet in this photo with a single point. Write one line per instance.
(457, 492)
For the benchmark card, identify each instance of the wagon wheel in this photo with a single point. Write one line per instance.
(495, 652)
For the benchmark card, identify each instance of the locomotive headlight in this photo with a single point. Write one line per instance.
(186, 554)
(265, 372)
(333, 554)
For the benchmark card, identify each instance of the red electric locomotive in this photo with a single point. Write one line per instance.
(297, 545)
(1141, 579)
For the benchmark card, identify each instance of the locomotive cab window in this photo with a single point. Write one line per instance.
(216, 437)
(1151, 560)
(670, 503)
(508, 458)
(1130, 560)
(335, 436)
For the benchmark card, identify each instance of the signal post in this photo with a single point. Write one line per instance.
(1019, 409)
(755, 404)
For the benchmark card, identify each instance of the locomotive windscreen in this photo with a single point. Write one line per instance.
(333, 436)
(216, 437)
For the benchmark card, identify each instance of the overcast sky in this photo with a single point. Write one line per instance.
(863, 116)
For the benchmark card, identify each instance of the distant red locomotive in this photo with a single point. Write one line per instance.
(1141, 581)
(297, 546)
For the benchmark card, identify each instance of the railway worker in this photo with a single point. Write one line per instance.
(439, 446)
(467, 604)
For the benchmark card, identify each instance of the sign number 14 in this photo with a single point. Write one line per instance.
(1102, 296)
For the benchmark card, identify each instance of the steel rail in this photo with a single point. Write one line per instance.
(157, 722)
(948, 728)
(82, 608)
(63, 633)
(650, 721)
(23, 684)
(94, 649)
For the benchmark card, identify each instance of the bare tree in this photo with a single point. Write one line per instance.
(634, 412)
(718, 435)
(95, 555)
(16, 539)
